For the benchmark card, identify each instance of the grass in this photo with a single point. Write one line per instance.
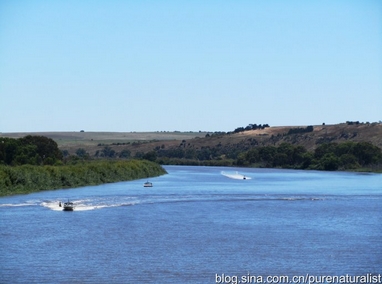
(27, 178)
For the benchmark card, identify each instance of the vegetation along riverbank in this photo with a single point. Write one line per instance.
(348, 156)
(32, 178)
(35, 163)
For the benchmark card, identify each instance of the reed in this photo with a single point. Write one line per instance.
(27, 178)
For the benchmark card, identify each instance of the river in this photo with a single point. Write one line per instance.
(196, 225)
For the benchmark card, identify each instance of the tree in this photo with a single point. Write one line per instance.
(349, 161)
(81, 152)
(46, 147)
(280, 160)
(344, 148)
(34, 150)
(190, 154)
(298, 155)
(125, 154)
(9, 148)
(307, 159)
(65, 153)
(267, 153)
(242, 160)
(150, 156)
(286, 150)
(27, 155)
(367, 153)
(139, 155)
(329, 162)
(252, 156)
(239, 129)
(107, 152)
(324, 149)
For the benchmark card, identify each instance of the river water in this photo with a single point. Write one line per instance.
(196, 225)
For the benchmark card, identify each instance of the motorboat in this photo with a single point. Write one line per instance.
(148, 184)
(235, 175)
(67, 206)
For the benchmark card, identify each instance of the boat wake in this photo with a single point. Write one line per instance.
(235, 175)
(18, 205)
(94, 203)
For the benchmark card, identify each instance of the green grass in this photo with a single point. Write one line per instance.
(26, 179)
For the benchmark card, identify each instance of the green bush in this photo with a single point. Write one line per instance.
(28, 178)
(328, 156)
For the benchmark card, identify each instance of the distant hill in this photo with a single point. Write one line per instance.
(93, 141)
(144, 142)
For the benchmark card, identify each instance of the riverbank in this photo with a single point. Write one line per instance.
(233, 163)
(27, 179)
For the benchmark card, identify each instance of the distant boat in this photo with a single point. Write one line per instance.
(235, 175)
(67, 206)
(148, 184)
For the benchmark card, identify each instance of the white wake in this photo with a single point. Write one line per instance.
(91, 204)
(235, 175)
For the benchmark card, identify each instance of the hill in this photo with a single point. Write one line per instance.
(93, 141)
(217, 143)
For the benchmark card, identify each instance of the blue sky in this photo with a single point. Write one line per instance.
(188, 65)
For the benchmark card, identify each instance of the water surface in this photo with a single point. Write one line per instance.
(195, 223)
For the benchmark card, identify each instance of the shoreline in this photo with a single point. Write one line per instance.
(29, 179)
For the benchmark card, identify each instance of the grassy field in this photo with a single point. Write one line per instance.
(69, 139)
(274, 136)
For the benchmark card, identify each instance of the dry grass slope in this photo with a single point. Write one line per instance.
(147, 141)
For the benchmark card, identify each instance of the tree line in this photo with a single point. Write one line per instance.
(251, 127)
(32, 150)
(327, 156)
(35, 163)
(300, 130)
(39, 150)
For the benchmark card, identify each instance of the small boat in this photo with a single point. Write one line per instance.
(148, 184)
(67, 206)
(235, 175)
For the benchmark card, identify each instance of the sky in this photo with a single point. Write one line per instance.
(152, 65)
